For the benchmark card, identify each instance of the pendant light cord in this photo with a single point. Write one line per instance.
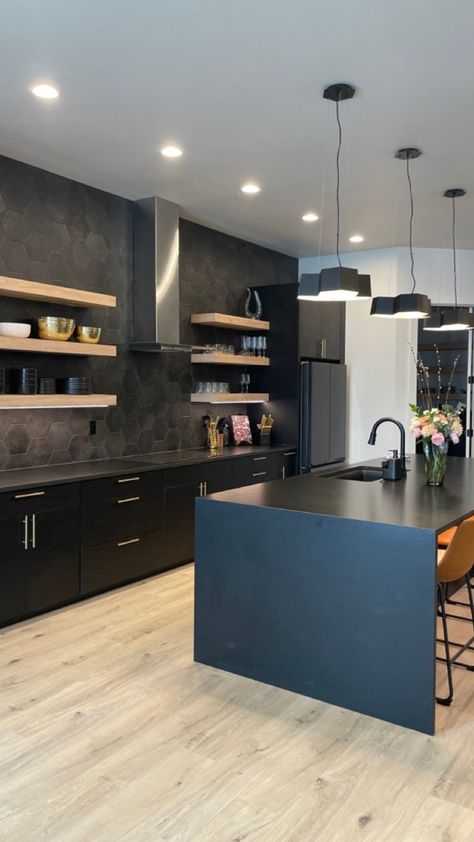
(454, 256)
(338, 181)
(412, 259)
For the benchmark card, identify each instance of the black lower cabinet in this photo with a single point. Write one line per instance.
(39, 565)
(117, 562)
(288, 465)
(182, 486)
(250, 470)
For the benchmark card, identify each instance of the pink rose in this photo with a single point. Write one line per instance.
(454, 438)
(437, 439)
(416, 432)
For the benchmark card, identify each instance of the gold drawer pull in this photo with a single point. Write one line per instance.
(129, 479)
(128, 500)
(290, 453)
(29, 494)
(126, 543)
(260, 474)
(260, 458)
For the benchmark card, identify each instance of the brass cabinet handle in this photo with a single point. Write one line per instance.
(260, 458)
(129, 479)
(29, 494)
(260, 474)
(130, 541)
(128, 500)
(290, 453)
(201, 489)
(25, 532)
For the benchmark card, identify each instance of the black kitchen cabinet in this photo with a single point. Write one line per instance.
(288, 464)
(40, 550)
(322, 330)
(182, 486)
(253, 469)
(117, 562)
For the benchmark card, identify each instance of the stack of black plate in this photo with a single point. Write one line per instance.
(47, 386)
(3, 381)
(23, 381)
(73, 386)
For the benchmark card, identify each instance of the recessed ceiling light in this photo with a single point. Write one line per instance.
(250, 187)
(44, 91)
(171, 151)
(310, 217)
(356, 238)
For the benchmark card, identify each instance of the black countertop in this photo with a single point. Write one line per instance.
(100, 468)
(409, 502)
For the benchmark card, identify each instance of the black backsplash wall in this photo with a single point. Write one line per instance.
(58, 231)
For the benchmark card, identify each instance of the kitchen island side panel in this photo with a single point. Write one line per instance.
(338, 610)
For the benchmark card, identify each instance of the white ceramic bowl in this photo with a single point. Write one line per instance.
(14, 329)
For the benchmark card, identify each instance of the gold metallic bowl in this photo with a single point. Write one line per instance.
(88, 334)
(55, 327)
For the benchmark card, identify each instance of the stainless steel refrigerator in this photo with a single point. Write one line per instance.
(322, 432)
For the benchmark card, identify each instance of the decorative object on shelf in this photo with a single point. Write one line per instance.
(88, 334)
(23, 381)
(212, 434)
(257, 313)
(57, 328)
(241, 432)
(457, 318)
(244, 383)
(435, 425)
(412, 305)
(265, 428)
(15, 329)
(339, 283)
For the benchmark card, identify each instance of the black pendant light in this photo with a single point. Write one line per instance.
(412, 305)
(457, 318)
(338, 283)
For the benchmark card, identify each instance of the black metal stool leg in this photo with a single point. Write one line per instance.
(446, 700)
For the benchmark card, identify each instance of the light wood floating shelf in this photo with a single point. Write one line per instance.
(55, 401)
(230, 397)
(229, 359)
(232, 322)
(36, 291)
(50, 346)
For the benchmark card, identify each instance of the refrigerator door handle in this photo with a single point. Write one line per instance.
(305, 403)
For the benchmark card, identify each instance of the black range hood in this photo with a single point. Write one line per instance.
(156, 277)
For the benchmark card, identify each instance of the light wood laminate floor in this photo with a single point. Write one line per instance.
(109, 731)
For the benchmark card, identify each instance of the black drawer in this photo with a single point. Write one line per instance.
(113, 488)
(219, 471)
(252, 469)
(121, 561)
(128, 515)
(41, 499)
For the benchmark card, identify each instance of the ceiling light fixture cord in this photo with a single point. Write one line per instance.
(454, 256)
(338, 179)
(412, 259)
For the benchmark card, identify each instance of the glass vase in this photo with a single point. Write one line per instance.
(436, 458)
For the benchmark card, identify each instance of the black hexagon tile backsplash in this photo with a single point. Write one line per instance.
(59, 231)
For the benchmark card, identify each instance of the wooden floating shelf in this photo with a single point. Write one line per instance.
(229, 359)
(50, 346)
(230, 397)
(36, 291)
(55, 401)
(231, 322)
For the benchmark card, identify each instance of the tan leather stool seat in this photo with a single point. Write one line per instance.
(447, 536)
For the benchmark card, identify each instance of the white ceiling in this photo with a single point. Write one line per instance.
(238, 84)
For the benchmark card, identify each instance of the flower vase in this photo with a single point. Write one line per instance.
(436, 458)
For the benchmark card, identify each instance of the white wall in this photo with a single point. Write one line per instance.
(381, 372)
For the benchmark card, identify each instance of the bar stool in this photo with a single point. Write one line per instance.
(455, 563)
(444, 540)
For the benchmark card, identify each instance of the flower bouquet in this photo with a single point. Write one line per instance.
(435, 425)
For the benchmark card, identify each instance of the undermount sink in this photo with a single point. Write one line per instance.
(364, 473)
